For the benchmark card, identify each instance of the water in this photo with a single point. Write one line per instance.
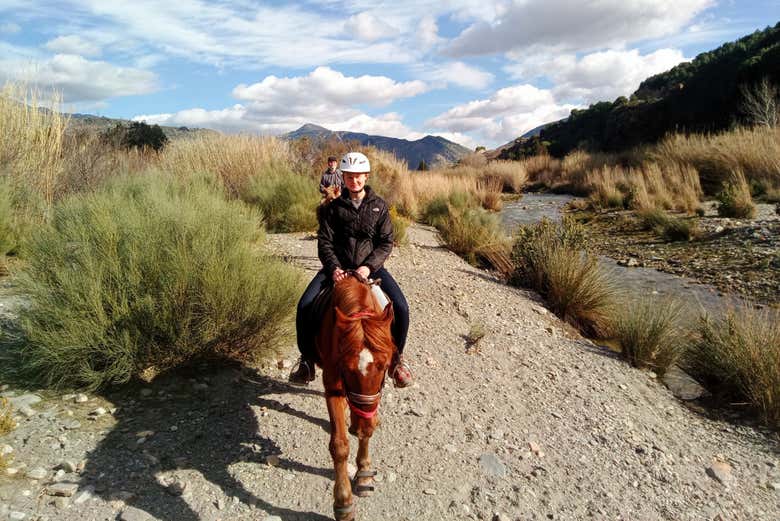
(534, 207)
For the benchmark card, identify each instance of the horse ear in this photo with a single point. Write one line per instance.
(387, 314)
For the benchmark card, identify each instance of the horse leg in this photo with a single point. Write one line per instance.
(343, 506)
(364, 480)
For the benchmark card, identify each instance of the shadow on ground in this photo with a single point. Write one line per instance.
(214, 427)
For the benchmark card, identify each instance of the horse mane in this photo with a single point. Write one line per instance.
(359, 332)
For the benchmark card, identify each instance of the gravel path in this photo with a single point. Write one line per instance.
(533, 423)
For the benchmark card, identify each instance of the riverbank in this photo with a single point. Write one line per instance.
(737, 256)
(532, 423)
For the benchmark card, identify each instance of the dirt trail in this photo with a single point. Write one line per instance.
(535, 424)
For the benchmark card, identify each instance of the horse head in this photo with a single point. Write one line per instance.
(365, 349)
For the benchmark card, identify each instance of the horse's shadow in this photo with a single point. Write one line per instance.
(188, 426)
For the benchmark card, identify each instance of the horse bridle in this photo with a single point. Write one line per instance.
(356, 399)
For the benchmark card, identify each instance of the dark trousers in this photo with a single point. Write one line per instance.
(307, 331)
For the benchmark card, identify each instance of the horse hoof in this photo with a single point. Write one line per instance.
(345, 513)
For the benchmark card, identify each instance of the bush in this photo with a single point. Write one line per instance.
(735, 199)
(8, 236)
(650, 334)
(475, 235)
(738, 356)
(668, 227)
(144, 276)
(287, 201)
(400, 224)
(550, 258)
(136, 135)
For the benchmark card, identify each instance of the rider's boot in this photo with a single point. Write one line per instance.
(303, 373)
(400, 372)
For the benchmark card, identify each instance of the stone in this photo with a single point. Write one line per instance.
(100, 411)
(391, 477)
(272, 518)
(38, 473)
(220, 504)
(534, 447)
(62, 489)
(491, 465)
(72, 425)
(430, 491)
(62, 502)
(449, 447)
(682, 386)
(773, 486)
(25, 399)
(135, 514)
(5, 450)
(67, 466)
(498, 516)
(27, 411)
(11, 471)
(272, 460)
(17, 516)
(177, 487)
(80, 398)
(85, 495)
(720, 471)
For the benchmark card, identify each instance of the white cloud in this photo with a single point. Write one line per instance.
(428, 32)
(324, 96)
(365, 26)
(461, 74)
(592, 25)
(325, 85)
(73, 44)
(596, 76)
(9, 28)
(509, 113)
(79, 79)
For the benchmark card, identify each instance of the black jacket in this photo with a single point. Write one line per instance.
(351, 237)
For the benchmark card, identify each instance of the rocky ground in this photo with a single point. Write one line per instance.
(531, 423)
(737, 256)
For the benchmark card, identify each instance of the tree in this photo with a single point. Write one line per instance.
(137, 135)
(479, 149)
(761, 103)
(422, 165)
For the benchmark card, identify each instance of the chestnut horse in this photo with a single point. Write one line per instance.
(355, 349)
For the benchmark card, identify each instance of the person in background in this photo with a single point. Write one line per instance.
(332, 177)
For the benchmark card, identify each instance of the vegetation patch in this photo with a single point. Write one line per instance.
(650, 334)
(287, 201)
(738, 357)
(400, 225)
(7, 423)
(552, 259)
(144, 276)
(735, 199)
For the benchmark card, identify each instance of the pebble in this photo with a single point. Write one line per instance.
(17, 516)
(774, 485)
(177, 487)
(430, 491)
(6, 450)
(67, 466)
(135, 514)
(491, 465)
(720, 471)
(72, 425)
(100, 411)
(26, 399)
(272, 518)
(27, 411)
(272, 460)
(38, 473)
(498, 516)
(81, 398)
(391, 477)
(62, 489)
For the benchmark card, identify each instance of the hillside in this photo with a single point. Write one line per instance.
(702, 95)
(101, 123)
(431, 149)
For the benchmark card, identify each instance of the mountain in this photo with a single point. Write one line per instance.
(703, 95)
(509, 150)
(431, 149)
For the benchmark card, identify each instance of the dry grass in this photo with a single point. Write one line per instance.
(31, 141)
(489, 190)
(7, 423)
(235, 160)
(754, 151)
(738, 356)
(552, 259)
(735, 199)
(650, 333)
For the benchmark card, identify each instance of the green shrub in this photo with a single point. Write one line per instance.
(735, 199)
(287, 201)
(667, 227)
(8, 237)
(144, 276)
(738, 356)
(551, 258)
(400, 225)
(649, 333)
(652, 218)
(474, 234)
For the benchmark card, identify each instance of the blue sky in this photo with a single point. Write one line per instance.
(477, 72)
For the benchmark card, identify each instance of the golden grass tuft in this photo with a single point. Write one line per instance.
(738, 356)
(734, 200)
(7, 423)
(650, 333)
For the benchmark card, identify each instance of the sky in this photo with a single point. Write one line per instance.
(478, 72)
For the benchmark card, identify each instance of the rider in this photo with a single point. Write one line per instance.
(355, 234)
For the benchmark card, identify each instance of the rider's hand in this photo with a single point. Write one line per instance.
(339, 274)
(364, 271)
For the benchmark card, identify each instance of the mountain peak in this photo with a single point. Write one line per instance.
(311, 127)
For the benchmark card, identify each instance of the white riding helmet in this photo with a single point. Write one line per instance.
(355, 162)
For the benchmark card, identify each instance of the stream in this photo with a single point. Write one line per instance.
(533, 207)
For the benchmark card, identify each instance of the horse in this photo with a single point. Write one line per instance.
(355, 348)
